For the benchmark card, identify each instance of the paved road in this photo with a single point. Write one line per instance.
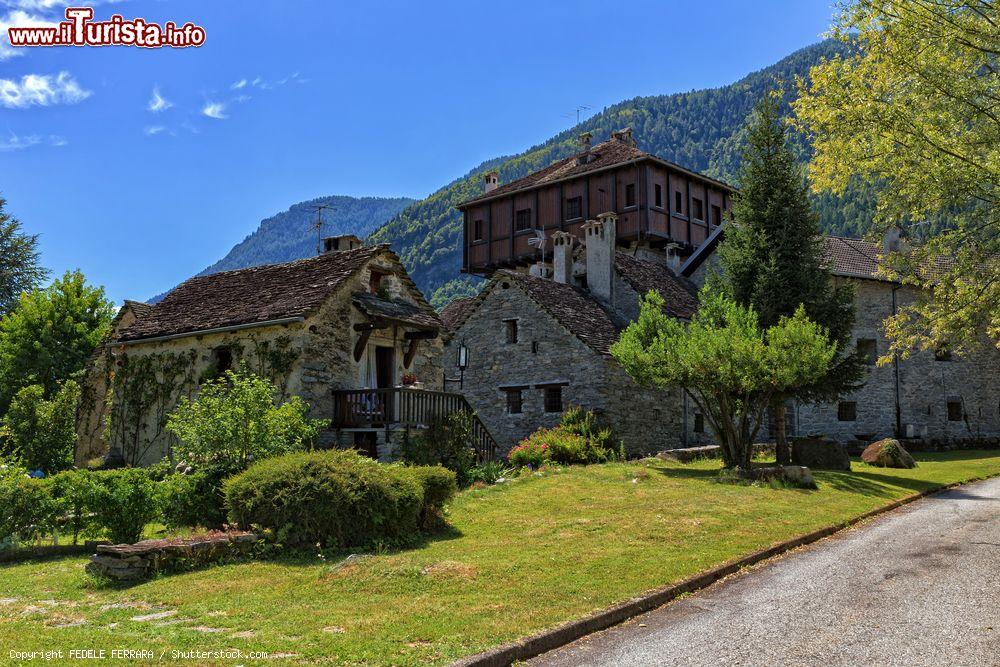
(917, 586)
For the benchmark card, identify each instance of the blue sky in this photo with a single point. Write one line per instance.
(364, 98)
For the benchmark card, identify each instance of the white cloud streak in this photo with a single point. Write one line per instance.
(216, 110)
(18, 19)
(158, 102)
(154, 130)
(16, 143)
(41, 90)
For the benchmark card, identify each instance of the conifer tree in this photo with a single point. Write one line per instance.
(772, 260)
(19, 267)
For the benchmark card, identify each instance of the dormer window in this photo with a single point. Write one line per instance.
(375, 281)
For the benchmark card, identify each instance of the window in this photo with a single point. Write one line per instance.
(375, 281)
(868, 349)
(699, 422)
(522, 220)
(678, 203)
(847, 411)
(699, 214)
(574, 208)
(553, 398)
(658, 195)
(942, 354)
(716, 215)
(514, 400)
(630, 194)
(511, 331)
(954, 410)
(222, 358)
(477, 230)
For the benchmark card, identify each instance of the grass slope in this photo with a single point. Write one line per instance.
(522, 556)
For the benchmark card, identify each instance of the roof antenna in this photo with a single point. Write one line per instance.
(581, 107)
(318, 226)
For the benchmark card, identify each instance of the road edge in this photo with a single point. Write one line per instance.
(570, 631)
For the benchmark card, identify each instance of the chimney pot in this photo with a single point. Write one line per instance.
(600, 239)
(491, 180)
(624, 136)
(585, 156)
(562, 257)
(341, 243)
(892, 240)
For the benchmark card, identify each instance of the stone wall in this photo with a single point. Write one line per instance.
(926, 385)
(645, 420)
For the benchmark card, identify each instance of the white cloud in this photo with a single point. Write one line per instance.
(153, 130)
(216, 110)
(18, 19)
(157, 102)
(42, 90)
(242, 83)
(240, 99)
(17, 143)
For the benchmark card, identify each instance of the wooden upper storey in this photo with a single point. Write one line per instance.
(656, 201)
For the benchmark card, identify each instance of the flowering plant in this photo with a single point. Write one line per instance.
(409, 378)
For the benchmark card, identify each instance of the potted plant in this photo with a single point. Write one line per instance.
(409, 380)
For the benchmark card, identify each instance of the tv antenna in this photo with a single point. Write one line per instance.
(318, 226)
(582, 107)
(538, 242)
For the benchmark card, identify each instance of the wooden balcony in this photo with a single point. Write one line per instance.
(402, 407)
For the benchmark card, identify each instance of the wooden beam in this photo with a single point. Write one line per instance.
(411, 352)
(359, 347)
(513, 206)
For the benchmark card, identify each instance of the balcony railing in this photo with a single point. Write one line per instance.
(400, 406)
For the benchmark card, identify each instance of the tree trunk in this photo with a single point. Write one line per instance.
(780, 435)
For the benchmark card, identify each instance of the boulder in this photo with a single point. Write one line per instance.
(820, 454)
(887, 453)
(799, 476)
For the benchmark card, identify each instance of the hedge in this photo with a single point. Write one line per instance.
(336, 499)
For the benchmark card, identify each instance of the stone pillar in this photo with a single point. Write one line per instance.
(599, 236)
(562, 257)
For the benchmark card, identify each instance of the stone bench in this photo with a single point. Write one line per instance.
(124, 562)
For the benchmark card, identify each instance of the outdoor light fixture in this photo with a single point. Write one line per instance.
(463, 357)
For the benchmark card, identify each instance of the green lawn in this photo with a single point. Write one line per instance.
(522, 556)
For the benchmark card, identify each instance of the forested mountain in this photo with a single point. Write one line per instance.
(292, 234)
(701, 130)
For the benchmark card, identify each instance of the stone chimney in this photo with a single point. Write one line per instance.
(585, 155)
(892, 240)
(562, 257)
(624, 136)
(491, 181)
(599, 235)
(341, 243)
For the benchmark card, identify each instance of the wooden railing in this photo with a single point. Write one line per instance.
(383, 408)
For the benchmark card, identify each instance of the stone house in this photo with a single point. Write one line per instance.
(535, 345)
(340, 330)
(929, 397)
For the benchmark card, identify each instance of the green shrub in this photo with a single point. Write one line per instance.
(334, 499)
(39, 432)
(578, 439)
(447, 441)
(74, 491)
(439, 486)
(124, 501)
(194, 499)
(237, 420)
(490, 472)
(28, 510)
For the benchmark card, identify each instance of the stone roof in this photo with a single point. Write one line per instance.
(254, 295)
(456, 311)
(603, 155)
(139, 308)
(573, 307)
(851, 257)
(399, 311)
(679, 293)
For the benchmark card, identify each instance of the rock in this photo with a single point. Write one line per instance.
(887, 453)
(820, 454)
